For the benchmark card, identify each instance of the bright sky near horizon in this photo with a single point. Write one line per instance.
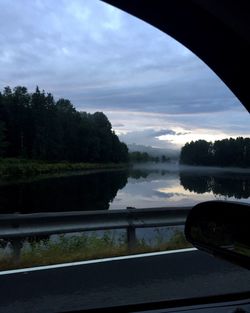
(154, 91)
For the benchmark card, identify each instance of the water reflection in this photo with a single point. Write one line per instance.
(74, 193)
(225, 184)
(174, 186)
(138, 187)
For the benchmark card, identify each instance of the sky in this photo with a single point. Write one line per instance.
(154, 91)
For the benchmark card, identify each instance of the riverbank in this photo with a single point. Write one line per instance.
(22, 168)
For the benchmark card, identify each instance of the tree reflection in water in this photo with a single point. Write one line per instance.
(74, 193)
(143, 187)
(226, 184)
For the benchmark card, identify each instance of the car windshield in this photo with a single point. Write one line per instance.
(110, 131)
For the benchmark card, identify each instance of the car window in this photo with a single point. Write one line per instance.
(110, 131)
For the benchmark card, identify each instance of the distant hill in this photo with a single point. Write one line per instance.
(173, 154)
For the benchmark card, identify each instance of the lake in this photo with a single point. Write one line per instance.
(143, 186)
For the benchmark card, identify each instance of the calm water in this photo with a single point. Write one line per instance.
(140, 187)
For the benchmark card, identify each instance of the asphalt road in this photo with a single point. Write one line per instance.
(142, 279)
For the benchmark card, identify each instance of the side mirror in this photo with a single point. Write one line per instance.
(221, 228)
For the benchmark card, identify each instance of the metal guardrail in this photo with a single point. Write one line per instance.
(16, 227)
(24, 225)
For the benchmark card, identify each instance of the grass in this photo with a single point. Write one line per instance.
(86, 247)
(21, 168)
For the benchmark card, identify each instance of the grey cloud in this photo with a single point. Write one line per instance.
(152, 133)
(230, 123)
(85, 51)
(167, 195)
(183, 133)
(161, 132)
(99, 57)
(118, 125)
(148, 137)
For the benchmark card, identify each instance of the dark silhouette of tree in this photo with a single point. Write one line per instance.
(3, 143)
(164, 159)
(196, 153)
(140, 157)
(226, 152)
(35, 126)
(137, 157)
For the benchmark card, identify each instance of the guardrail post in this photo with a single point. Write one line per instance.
(17, 245)
(131, 237)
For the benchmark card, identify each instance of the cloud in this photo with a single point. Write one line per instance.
(168, 195)
(150, 128)
(148, 137)
(106, 60)
(85, 51)
(161, 132)
(118, 125)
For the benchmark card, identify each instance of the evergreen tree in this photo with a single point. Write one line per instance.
(3, 143)
(226, 152)
(37, 127)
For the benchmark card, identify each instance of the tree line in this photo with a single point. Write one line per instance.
(226, 152)
(141, 157)
(35, 126)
